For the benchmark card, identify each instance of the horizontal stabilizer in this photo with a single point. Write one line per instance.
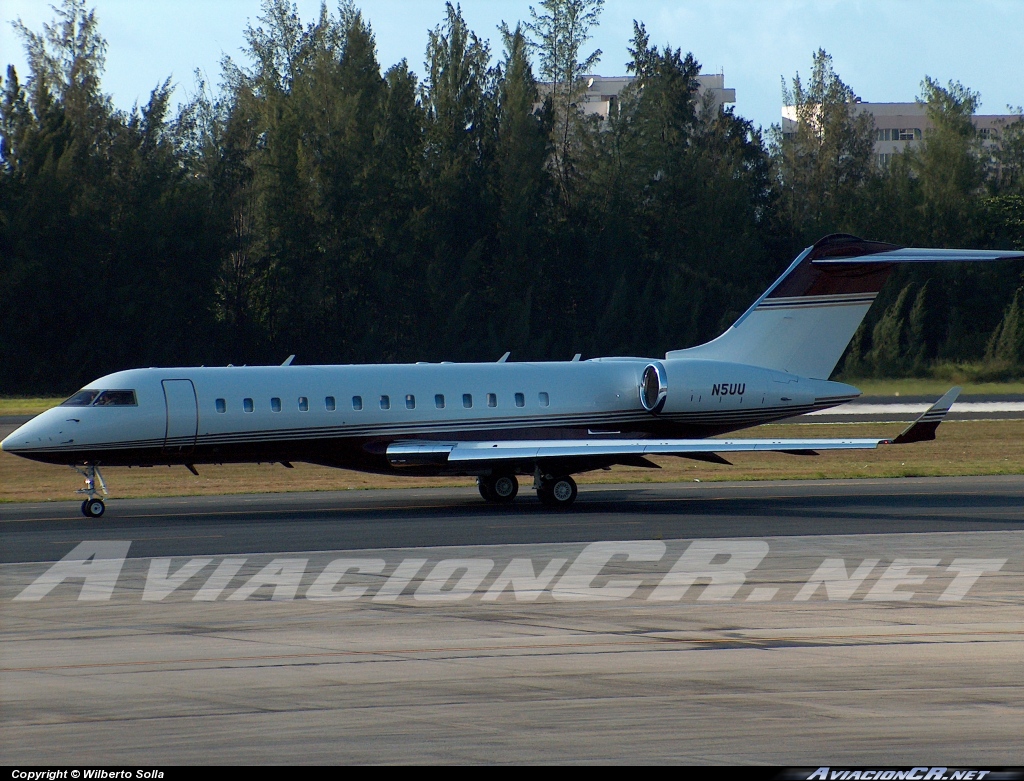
(923, 429)
(923, 255)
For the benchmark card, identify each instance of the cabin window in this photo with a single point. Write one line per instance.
(116, 398)
(439, 401)
(247, 405)
(357, 402)
(542, 397)
(329, 404)
(520, 400)
(410, 401)
(492, 400)
(222, 405)
(385, 402)
(275, 404)
(303, 404)
(467, 400)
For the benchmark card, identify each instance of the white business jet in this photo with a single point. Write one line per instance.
(498, 420)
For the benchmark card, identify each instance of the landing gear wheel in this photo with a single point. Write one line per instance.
(500, 489)
(559, 492)
(486, 491)
(505, 488)
(93, 508)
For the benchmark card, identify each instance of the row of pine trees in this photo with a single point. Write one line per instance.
(314, 203)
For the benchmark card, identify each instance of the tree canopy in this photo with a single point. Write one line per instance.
(319, 204)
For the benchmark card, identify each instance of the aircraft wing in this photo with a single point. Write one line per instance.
(419, 452)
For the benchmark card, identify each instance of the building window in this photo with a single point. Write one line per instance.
(542, 397)
(247, 405)
(385, 402)
(439, 401)
(357, 402)
(275, 405)
(917, 134)
(905, 134)
(520, 400)
(222, 406)
(467, 400)
(329, 404)
(410, 401)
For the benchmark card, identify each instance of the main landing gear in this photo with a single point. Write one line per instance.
(554, 491)
(499, 488)
(93, 506)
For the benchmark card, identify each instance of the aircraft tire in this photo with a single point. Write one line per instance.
(93, 508)
(504, 488)
(484, 486)
(499, 489)
(559, 492)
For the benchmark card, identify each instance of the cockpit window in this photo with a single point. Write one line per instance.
(116, 398)
(82, 399)
(107, 398)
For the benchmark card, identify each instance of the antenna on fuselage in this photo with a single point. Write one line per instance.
(288, 360)
(576, 357)
(504, 358)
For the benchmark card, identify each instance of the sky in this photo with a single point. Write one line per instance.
(881, 48)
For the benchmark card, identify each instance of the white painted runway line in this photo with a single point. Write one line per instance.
(978, 407)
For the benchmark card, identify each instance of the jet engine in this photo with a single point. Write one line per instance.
(654, 387)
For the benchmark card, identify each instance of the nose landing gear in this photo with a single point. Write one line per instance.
(93, 506)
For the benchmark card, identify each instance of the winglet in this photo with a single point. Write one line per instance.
(923, 429)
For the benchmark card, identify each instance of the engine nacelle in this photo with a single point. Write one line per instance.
(704, 385)
(698, 387)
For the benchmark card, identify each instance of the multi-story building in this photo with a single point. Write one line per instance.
(603, 91)
(898, 126)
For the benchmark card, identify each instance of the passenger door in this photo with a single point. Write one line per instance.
(182, 416)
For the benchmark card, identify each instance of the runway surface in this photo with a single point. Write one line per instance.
(820, 622)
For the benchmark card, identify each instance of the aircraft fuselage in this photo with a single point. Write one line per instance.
(346, 416)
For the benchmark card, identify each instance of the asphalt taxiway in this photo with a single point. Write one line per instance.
(204, 525)
(863, 621)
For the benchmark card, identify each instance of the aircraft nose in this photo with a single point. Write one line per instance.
(16, 440)
(38, 432)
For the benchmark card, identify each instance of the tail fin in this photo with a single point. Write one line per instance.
(804, 321)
